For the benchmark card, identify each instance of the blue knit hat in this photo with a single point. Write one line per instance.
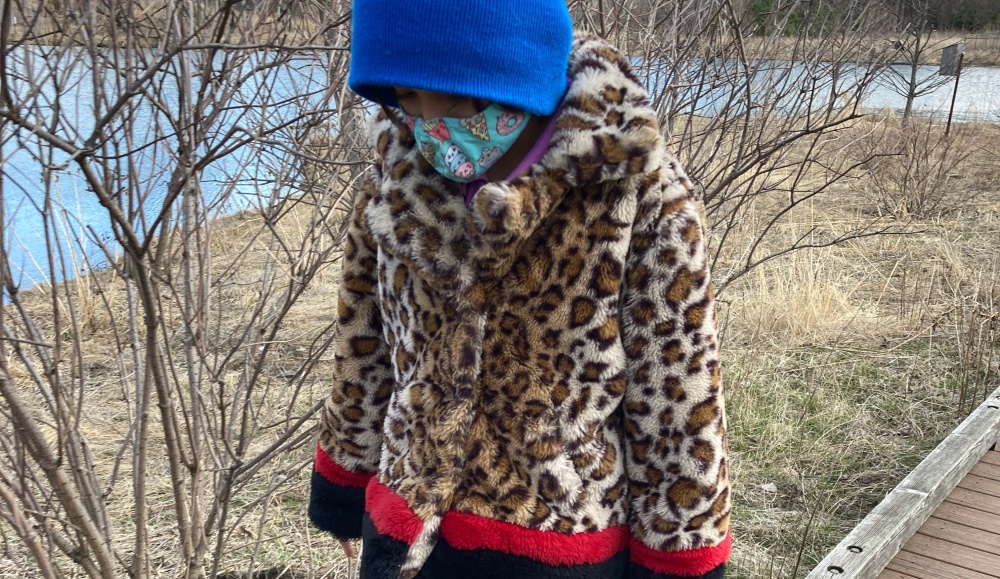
(512, 52)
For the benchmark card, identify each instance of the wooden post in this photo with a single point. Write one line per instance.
(954, 93)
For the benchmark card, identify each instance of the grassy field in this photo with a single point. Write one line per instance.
(844, 367)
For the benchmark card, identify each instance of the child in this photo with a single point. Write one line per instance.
(527, 371)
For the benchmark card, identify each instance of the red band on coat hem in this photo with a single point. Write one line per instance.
(686, 563)
(467, 532)
(390, 514)
(337, 474)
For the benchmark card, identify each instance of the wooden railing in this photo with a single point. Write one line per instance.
(866, 550)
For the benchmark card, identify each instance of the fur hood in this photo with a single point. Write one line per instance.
(606, 131)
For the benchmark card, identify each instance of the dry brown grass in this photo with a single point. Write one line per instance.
(981, 48)
(276, 533)
(846, 365)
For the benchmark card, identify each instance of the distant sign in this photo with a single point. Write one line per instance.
(950, 58)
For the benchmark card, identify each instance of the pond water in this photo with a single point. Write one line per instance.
(247, 176)
(265, 99)
(977, 99)
(716, 88)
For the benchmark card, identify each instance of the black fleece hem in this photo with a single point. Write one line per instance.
(336, 509)
(382, 557)
(640, 572)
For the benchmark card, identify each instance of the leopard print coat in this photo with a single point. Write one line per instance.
(533, 378)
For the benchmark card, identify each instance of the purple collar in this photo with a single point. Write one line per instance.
(534, 155)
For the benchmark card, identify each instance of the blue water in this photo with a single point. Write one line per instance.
(278, 100)
(268, 98)
(798, 88)
(977, 99)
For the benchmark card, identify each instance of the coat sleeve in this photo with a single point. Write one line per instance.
(675, 424)
(350, 431)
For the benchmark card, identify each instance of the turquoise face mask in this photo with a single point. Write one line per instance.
(463, 149)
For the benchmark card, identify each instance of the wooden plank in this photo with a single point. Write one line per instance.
(926, 568)
(866, 550)
(974, 500)
(985, 541)
(954, 554)
(992, 457)
(890, 574)
(967, 516)
(980, 485)
(986, 470)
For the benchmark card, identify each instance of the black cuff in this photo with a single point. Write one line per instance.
(336, 509)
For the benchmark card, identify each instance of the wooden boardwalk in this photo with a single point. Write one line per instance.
(941, 522)
(961, 539)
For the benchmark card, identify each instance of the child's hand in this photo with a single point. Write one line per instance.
(352, 565)
(348, 548)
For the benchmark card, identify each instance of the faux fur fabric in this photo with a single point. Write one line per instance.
(546, 358)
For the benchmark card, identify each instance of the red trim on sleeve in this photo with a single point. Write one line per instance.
(466, 532)
(337, 474)
(390, 513)
(687, 563)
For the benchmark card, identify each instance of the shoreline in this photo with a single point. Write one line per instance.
(981, 49)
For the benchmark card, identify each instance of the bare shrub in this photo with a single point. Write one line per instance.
(913, 42)
(753, 110)
(913, 165)
(154, 411)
